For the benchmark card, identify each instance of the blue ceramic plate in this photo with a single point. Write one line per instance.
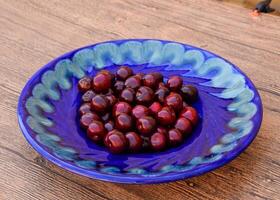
(229, 107)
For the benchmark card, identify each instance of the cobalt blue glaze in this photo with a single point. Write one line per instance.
(229, 107)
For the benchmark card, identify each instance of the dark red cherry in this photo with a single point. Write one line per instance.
(135, 142)
(140, 111)
(166, 116)
(87, 118)
(174, 83)
(183, 125)
(175, 101)
(123, 122)
(152, 80)
(127, 95)
(123, 73)
(84, 84)
(161, 93)
(118, 87)
(106, 72)
(158, 141)
(88, 95)
(189, 93)
(146, 125)
(191, 114)
(85, 108)
(140, 75)
(109, 126)
(101, 82)
(175, 137)
(144, 95)
(161, 129)
(121, 107)
(112, 99)
(96, 131)
(99, 103)
(155, 108)
(115, 141)
(133, 82)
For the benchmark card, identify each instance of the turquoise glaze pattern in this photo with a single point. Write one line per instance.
(176, 57)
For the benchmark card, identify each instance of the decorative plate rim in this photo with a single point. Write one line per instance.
(141, 179)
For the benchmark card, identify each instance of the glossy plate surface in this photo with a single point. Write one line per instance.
(229, 107)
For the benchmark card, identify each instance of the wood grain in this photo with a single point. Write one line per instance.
(34, 32)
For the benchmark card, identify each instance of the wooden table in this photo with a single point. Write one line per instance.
(34, 32)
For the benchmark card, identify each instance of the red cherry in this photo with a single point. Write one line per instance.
(146, 125)
(84, 84)
(183, 125)
(99, 103)
(127, 95)
(135, 142)
(175, 137)
(123, 122)
(191, 114)
(123, 73)
(96, 131)
(175, 83)
(106, 72)
(87, 118)
(189, 93)
(121, 107)
(175, 101)
(85, 108)
(166, 116)
(144, 95)
(155, 108)
(101, 82)
(158, 141)
(115, 141)
(161, 129)
(161, 93)
(133, 82)
(109, 126)
(152, 80)
(140, 111)
(140, 75)
(88, 95)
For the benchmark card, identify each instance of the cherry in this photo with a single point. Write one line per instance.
(102, 82)
(123, 73)
(140, 75)
(183, 125)
(133, 82)
(127, 95)
(84, 84)
(96, 131)
(119, 86)
(88, 95)
(161, 93)
(135, 142)
(191, 114)
(121, 107)
(161, 129)
(85, 108)
(115, 141)
(87, 118)
(174, 100)
(106, 72)
(189, 93)
(146, 125)
(166, 116)
(144, 95)
(175, 137)
(111, 99)
(158, 141)
(109, 126)
(123, 122)
(99, 103)
(140, 111)
(175, 83)
(152, 80)
(155, 108)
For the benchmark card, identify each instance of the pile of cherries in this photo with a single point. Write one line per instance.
(140, 112)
